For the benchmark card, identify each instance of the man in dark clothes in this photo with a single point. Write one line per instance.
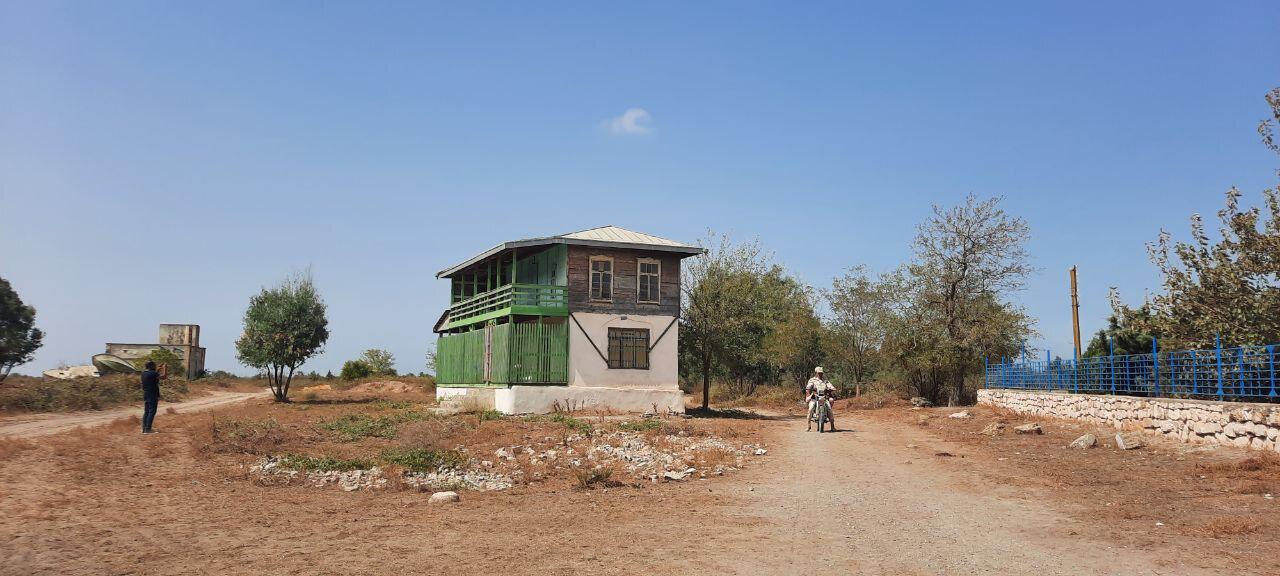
(150, 396)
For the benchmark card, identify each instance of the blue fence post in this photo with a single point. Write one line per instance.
(1048, 371)
(1155, 364)
(1271, 367)
(986, 371)
(1217, 346)
(1112, 363)
(1195, 374)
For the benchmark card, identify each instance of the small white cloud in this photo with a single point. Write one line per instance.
(633, 121)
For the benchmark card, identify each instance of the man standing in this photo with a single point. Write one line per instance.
(150, 396)
(819, 389)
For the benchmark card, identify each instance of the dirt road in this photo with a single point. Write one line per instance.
(862, 502)
(35, 425)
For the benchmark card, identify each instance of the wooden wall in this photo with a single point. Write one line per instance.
(624, 282)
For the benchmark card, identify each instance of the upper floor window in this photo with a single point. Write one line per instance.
(649, 277)
(601, 278)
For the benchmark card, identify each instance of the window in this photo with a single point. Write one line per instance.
(601, 278)
(649, 276)
(629, 348)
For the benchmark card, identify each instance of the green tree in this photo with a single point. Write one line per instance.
(968, 259)
(860, 311)
(19, 337)
(355, 369)
(380, 362)
(283, 327)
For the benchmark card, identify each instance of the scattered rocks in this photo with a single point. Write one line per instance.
(760, 452)
(1031, 428)
(994, 429)
(1128, 441)
(961, 415)
(1086, 441)
(444, 498)
(921, 402)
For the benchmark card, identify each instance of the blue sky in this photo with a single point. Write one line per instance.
(162, 162)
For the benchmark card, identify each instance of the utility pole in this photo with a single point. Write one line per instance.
(1075, 311)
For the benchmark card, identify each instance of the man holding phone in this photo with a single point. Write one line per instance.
(151, 394)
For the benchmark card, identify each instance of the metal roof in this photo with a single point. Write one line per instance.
(603, 236)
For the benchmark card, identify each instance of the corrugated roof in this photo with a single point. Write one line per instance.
(603, 236)
(616, 234)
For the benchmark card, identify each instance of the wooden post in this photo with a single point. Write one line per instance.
(1075, 311)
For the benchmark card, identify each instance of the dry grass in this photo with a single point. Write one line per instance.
(11, 447)
(1257, 474)
(1230, 526)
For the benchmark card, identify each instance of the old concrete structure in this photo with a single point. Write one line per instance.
(181, 339)
(581, 320)
(1245, 425)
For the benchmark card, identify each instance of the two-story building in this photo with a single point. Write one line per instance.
(581, 320)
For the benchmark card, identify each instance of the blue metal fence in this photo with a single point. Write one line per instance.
(1247, 373)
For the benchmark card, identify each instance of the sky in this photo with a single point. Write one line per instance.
(162, 162)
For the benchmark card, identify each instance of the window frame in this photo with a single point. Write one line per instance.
(591, 278)
(657, 284)
(633, 339)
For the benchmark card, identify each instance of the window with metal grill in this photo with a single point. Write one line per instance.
(629, 348)
(649, 276)
(601, 278)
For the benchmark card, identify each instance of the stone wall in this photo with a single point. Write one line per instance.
(1254, 426)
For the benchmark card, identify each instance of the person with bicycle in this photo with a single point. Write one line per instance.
(819, 389)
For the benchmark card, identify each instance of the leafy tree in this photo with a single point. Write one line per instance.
(355, 369)
(380, 362)
(860, 309)
(431, 359)
(719, 322)
(19, 337)
(283, 327)
(328, 375)
(968, 259)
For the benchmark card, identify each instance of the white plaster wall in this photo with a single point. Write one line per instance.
(543, 399)
(588, 369)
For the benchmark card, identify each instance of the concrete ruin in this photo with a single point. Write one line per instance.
(183, 340)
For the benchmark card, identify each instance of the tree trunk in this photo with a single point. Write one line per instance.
(957, 387)
(706, 381)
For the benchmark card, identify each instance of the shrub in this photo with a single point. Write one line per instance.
(356, 369)
(589, 478)
(323, 463)
(380, 362)
(163, 357)
(353, 427)
(423, 459)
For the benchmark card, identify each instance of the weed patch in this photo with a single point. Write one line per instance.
(354, 427)
(423, 459)
(229, 435)
(588, 478)
(322, 463)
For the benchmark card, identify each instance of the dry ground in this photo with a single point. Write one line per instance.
(882, 498)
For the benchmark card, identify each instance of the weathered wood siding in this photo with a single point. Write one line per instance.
(625, 298)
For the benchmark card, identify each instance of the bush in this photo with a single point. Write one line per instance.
(28, 394)
(356, 369)
(323, 463)
(163, 357)
(423, 459)
(591, 477)
(353, 427)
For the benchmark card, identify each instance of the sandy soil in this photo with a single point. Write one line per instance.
(34, 425)
(879, 499)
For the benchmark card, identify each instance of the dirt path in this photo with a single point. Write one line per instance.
(862, 502)
(45, 424)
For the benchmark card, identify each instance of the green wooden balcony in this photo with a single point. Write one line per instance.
(511, 299)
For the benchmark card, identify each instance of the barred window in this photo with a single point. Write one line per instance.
(629, 348)
(649, 278)
(601, 278)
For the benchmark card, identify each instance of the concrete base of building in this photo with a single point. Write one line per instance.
(545, 399)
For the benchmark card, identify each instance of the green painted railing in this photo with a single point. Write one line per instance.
(519, 353)
(520, 299)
